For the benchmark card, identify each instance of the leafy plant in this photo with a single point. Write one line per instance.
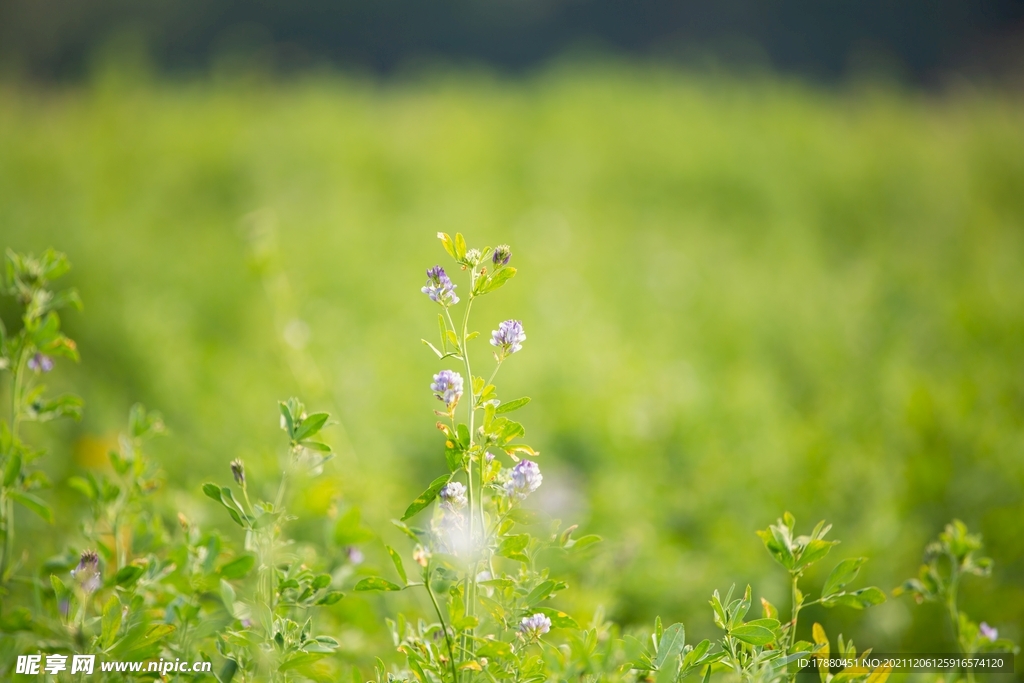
(272, 635)
(479, 559)
(25, 355)
(955, 555)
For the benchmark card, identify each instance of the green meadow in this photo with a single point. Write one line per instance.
(742, 296)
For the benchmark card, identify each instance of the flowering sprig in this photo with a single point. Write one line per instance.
(956, 554)
(24, 356)
(508, 338)
(439, 287)
(477, 559)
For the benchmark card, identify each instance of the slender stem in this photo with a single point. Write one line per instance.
(6, 502)
(447, 636)
(470, 600)
(795, 611)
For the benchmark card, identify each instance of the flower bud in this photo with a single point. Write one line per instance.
(238, 471)
(502, 255)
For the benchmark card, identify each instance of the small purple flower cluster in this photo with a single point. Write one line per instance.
(453, 496)
(509, 337)
(535, 626)
(40, 363)
(447, 386)
(439, 287)
(524, 479)
(502, 255)
(87, 573)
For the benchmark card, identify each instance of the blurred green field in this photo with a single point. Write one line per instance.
(742, 297)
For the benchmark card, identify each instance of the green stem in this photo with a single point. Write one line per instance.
(6, 502)
(470, 604)
(447, 635)
(795, 610)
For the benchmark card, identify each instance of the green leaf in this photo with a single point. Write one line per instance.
(128, 575)
(83, 486)
(239, 567)
(583, 541)
(33, 503)
(460, 246)
(449, 246)
(496, 280)
(494, 649)
(213, 491)
(310, 425)
(512, 547)
(427, 497)
(111, 622)
(330, 598)
(845, 572)
(138, 644)
(509, 406)
(859, 599)
(815, 550)
(300, 659)
(559, 619)
(12, 470)
(397, 560)
(59, 589)
(753, 634)
(671, 644)
(433, 348)
(376, 583)
(543, 591)
(768, 623)
(289, 421)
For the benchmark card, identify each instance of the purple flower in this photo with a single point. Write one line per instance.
(355, 555)
(40, 363)
(502, 254)
(439, 287)
(87, 573)
(447, 386)
(988, 632)
(488, 457)
(509, 337)
(535, 626)
(524, 479)
(453, 496)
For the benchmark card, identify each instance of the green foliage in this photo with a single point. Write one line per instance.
(956, 554)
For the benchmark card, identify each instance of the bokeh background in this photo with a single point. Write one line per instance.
(770, 259)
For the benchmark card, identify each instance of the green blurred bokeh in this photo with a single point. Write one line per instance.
(742, 296)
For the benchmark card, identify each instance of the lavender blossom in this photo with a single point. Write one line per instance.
(524, 479)
(502, 254)
(453, 496)
(439, 287)
(87, 573)
(40, 363)
(238, 471)
(535, 626)
(509, 337)
(447, 386)
(988, 632)
(355, 555)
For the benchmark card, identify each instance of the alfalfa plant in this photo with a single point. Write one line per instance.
(479, 557)
(948, 560)
(272, 636)
(26, 354)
